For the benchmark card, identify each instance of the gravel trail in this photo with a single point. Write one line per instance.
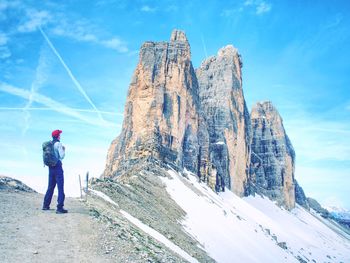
(29, 234)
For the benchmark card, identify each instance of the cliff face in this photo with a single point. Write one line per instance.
(161, 109)
(272, 156)
(170, 117)
(198, 120)
(300, 197)
(227, 118)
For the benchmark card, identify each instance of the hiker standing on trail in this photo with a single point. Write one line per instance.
(53, 155)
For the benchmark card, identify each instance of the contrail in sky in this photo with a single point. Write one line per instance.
(75, 81)
(50, 109)
(52, 104)
(40, 78)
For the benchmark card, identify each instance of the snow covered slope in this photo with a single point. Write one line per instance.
(253, 229)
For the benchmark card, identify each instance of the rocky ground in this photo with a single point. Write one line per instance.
(141, 193)
(29, 234)
(92, 231)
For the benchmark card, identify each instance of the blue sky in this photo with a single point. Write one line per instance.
(67, 65)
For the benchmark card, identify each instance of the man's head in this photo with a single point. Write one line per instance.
(56, 134)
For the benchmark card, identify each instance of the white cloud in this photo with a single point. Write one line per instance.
(115, 3)
(319, 140)
(258, 7)
(52, 104)
(3, 39)
(324, 183)
(4, 52)
(80, 33)
(248, 3)
(35, 20)
(8, 4)
(116, 44)
(77, 30)
(148, 9)
(262, 8)
(172, 8)
(19, 61)
(41, 76)
(84, 32)
(61, 24)
(333, 201)
(75, 81)
(50, 109)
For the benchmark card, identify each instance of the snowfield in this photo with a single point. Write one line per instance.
(147, 229)
(253, 229)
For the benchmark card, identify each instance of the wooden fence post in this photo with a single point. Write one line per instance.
(87, 185)
(87, 181)
(81, 193)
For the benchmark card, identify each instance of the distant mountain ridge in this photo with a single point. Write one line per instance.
(198, 120)
(340, 215)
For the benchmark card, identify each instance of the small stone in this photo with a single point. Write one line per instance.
(282, 245)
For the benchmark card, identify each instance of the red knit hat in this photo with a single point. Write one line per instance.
(56, 133)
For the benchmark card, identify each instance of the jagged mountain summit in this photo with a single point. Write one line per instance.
(227, 118)
(197, 172)
(161, 111)
(198, 120)
(193, 120)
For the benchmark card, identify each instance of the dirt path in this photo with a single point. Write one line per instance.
(29, 234)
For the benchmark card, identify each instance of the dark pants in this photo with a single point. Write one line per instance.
(55, 177)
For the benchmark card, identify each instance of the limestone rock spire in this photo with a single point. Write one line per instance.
(161, 108)
(272, 156)
(227, 117)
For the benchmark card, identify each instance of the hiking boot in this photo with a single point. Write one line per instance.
(46, 208)
(61, 211)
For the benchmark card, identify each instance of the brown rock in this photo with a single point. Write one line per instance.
(161, 107)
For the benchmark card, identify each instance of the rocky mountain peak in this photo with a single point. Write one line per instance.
(265, 109)
(161, 108)
(178, 36)
(272, 156)
(227, 118)
(228, 51)
(199, 121)
(264, 105)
